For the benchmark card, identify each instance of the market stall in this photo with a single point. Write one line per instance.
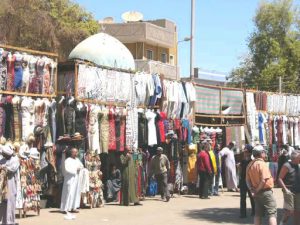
(28, 81)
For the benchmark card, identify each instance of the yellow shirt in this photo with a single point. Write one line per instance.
(213, 161)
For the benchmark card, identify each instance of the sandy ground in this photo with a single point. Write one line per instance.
(180, 210)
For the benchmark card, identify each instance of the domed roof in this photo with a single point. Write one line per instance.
(104, 50)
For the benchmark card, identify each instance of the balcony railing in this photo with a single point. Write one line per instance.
(167, 70)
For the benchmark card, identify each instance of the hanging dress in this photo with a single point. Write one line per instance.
(93, 129)
(18, 72)
(10, 73)
(112, 130)
(104, 130)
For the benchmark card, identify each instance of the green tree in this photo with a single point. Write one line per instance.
(47, 25)
(274, 49)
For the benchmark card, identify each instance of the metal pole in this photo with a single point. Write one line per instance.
(192, 39)
(280, 84)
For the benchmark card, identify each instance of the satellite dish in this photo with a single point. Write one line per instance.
(108, 19)
(132, 16)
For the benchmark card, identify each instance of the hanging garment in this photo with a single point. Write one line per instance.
(2, 118)
(52, 119)
(143, 130)
(10, 72)
(46, 78)
(18, 72)
(157, 90)
(32, 75)
(69, 115)
(53, 71)
(104, 130)
(60, 120)
(120, 131)
(132, 128)
(3, 70)
(81, 119)
(26, 74)
(39, 75)
(93, 129)
(9, 130)
(152, 136)
(27, 113)
(112, 131)
(17, 120)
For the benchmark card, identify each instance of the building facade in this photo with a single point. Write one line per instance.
(153, 45)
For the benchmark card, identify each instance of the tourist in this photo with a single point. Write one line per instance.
(260, 183)
(71, 194)
(282, 159)
(204, 170)
(9, 164)
(243, 185)
(128, 187)
(113, 183)
(230, 167)
(160, 166)
(289, 181)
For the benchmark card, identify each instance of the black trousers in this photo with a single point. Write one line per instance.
(162, 181)
(243, 206)
(204, 184)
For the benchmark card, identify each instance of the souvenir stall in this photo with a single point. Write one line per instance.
(27, 117)
(220, 115)
(126, 109)
(273, 121)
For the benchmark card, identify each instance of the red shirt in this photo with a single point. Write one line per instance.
(203, 162)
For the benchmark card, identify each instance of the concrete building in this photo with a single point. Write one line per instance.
(153, 44)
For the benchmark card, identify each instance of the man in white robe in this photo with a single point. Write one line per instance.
(230, 167)
(10, 163)
(70, 199)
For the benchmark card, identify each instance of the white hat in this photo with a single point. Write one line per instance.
(7, 150)
(258, 149)
(24, 151)
(34, 153)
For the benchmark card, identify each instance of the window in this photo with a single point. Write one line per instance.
(149, 54)
(164, 57)
(172, 61)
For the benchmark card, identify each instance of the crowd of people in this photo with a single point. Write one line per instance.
(255, 180)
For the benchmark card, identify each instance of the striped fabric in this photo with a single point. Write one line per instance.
(207, 100)
(234, 99)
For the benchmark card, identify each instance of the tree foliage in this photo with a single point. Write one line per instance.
(274, 49)
(47, 25)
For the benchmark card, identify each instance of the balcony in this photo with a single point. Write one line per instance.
(146, 32)
(168, 71)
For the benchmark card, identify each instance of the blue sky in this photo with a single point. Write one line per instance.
(222, 26)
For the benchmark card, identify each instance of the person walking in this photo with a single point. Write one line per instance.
(128, 187)
(260, 182)
(230, 167)
(9, 165)
(289, 181)
(160, 165)
(243, 185)
(204, 170)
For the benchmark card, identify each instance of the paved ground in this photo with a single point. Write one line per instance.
(180, 210)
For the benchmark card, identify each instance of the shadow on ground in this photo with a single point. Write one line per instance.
(218, 215)
(221, 215)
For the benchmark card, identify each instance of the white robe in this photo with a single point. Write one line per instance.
(230, 168)
(7, 209)
(70, 199)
